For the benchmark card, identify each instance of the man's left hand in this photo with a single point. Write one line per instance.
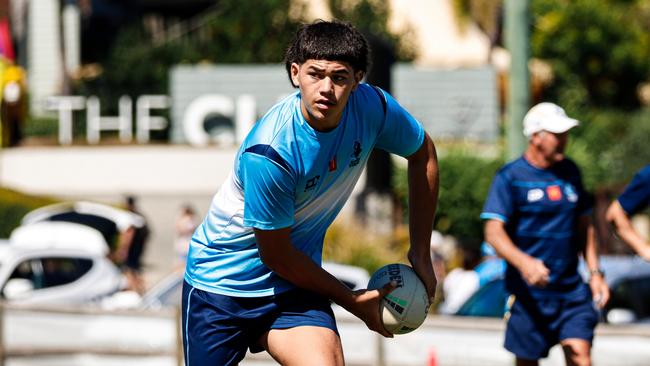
(599, 289)
(424, 269)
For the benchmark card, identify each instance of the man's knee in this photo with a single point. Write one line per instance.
(577, 352)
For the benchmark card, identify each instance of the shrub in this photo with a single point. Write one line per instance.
(464, 183)
(14, 205)
(346, 242)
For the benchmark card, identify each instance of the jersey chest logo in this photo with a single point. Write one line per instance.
(356, 153)
(554, 193)
(535, 195)
(332, 164)
(312, 183)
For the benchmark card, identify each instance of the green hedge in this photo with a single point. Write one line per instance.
(14, 205)
(464, 183)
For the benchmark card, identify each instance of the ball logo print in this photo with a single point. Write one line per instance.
(405, 308)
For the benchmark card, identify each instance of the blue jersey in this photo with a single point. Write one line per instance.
(286, 174)
(540, 208)
(637, 194)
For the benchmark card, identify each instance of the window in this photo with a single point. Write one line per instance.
(489, 300)
(52, 271)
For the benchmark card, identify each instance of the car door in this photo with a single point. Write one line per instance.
(48, 279)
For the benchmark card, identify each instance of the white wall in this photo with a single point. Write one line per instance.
(44, 61)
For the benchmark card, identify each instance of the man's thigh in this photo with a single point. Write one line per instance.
(304, 345)
(304, 331)
(528, 332)
(578, 320)
(217, 329)
(212, 333)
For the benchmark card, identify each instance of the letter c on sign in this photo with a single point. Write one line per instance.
(198, 110)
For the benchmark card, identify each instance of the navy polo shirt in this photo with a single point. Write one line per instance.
(540, 209)
(637, 194)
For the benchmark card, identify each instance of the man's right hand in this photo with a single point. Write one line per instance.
(367, 307)
(534, 272)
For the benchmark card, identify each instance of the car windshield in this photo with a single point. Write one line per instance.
(489, 301)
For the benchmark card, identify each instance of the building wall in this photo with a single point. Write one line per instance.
(452, 104)
(44, 60)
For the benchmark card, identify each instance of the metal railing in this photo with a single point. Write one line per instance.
(173, 348)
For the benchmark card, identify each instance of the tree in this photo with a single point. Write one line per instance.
(599, 50)
(371, 16)
(232, 31)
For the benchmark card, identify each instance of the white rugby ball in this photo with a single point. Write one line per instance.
(405, 308)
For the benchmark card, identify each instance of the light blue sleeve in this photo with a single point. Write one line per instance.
(401, 133)
(268, 193)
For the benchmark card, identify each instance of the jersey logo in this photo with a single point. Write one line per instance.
(571, 194)
(535, 194)
(356, 152)
(554, 193)
(332, 164)
(312, 183)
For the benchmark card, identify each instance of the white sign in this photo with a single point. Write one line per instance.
(241, 110)
(95, 122)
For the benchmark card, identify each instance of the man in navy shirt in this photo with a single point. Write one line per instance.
(537, 218)
(635, 198)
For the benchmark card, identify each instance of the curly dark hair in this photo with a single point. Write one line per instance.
(334, 41)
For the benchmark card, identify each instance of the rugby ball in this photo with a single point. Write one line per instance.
(405, 308)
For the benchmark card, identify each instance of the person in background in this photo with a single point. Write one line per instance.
(461, 282)
(491, 267)
(185, 226)
(13, 104)
(537, 217)
(635, 198)
(130, 249)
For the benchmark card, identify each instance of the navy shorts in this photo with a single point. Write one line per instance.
(537, 325)
(218, 329)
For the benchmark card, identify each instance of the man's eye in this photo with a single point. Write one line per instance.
(339, 79)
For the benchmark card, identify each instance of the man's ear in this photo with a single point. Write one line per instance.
(358, 76)
(295, 70)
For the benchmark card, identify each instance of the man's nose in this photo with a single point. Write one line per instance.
(326, 85)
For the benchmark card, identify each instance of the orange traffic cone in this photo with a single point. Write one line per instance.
(432, 358)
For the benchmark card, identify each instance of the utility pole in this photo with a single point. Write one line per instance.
(517, 42)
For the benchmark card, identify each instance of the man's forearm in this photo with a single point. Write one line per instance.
(591, 249)
(277, 253)
(423, 196)
(624, 229)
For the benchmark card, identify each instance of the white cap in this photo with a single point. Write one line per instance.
(547, 117)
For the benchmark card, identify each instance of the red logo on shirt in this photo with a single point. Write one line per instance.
(332, 164)
(554, 193)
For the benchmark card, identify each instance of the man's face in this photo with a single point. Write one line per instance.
(551, 145)
(325, 87)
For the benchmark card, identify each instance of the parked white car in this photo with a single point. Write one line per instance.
(56, 263)
(108, 220)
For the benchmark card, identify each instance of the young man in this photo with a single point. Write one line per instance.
(253, 277)
(635, 198)
(537, 219)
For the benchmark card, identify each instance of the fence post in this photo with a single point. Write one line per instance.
(381, 356)
(178, 320)
(2, 334)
